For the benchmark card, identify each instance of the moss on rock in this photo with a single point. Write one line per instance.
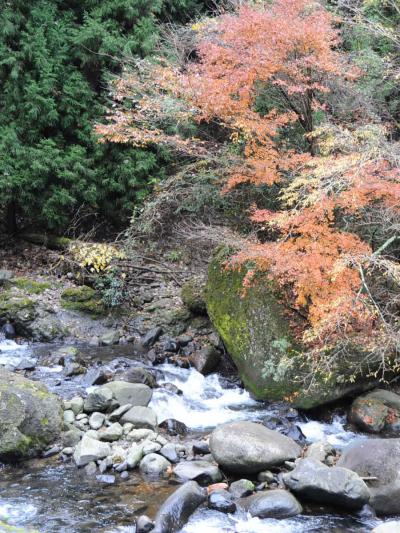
(30, 286)
(84, 299)
(192, 295)
(258, 335)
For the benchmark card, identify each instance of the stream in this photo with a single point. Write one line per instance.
(51, 496)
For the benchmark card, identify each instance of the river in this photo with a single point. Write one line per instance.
(51, 496)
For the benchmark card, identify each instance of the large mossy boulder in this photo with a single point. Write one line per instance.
(258, 332)
(84, 299)
(30, 417)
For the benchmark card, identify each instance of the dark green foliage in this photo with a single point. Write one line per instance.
(56, 57)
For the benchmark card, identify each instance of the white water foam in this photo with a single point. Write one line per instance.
(333, 432)
(16, 513)
(12, 353)
(204, 403)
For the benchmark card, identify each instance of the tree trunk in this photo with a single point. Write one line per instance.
(11, 217)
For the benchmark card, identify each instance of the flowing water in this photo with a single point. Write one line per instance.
(52, 496)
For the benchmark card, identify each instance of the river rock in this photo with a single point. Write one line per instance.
(379, 458)
(98, 400)
(176, 510)
(222, 501)
(284, 426)
(169, 452)
(68, 417)
(110, 337)
(140, 417)
(117, 413)
(201, 471)
(376, 411)
(71, 437)
(151, 337)
(133, 393)
(30, 417)
(334, 486)
(90, 450)
(259, 333)
(173, 427)
(271, 504)
(112, 433)
(241, 488)
(137, 374)
(205, 360)
(134, 456)
(154, 464)
(150, 447)
(249, 448)
(76, 405)
(94, 376)
(201, 447)
(319, 451)
(96, 420)
(144, 524)
(8, 331)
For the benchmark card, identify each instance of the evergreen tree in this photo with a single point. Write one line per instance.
(56, 57)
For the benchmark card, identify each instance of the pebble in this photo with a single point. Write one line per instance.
(106, 478)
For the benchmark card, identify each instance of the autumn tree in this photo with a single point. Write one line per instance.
(260, 73)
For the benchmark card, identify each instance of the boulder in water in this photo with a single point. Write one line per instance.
(222, 501)
(30, 417)
(333, 486)
(140, 417)
(8, 331)
(271, 504)
(176, 510)
(89, 450)
(205, 360)
(133, 393)
(137, 374)
(173, 427)
(201, 471)
(249, 448)
(98, 400)
(378, 459)
(376, 412)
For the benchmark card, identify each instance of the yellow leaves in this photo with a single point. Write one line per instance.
(96, 257)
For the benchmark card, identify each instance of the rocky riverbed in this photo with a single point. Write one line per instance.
(192, 452)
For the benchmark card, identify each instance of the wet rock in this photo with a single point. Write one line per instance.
(140, 417)
(112, 433)
(184, 340)
(318, 451)
(133, 393)
(151, 447)
(222, 501)
(201, 471)
(138, 435)
(8, 331)
(334, 486)
(51, 451)
(170, 387)
(106, 478)
(73, 369)
(176, 510)
(98, 400)
(181, 362)
(241, 488)
(30, 417)
(94, 376)
(379, 459)
(206, 360)
(96, 420)
(387, 527)
(91, 469)
(134, 456)
(138, 375)
(109, 338)
(169, 452)
(69, 417)
(171, 346)
(144, 524)
(151, 337)
(271, 504)
(90, 450)
(71, 437)
(154, 464)
(117, 413)
(266, 477)
(376, 411)
(247, 447)
(284, 426)
(25, 364)
(173, 427)
(76, 405)
(201, 447)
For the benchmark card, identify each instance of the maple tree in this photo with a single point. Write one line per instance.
(292, 48)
